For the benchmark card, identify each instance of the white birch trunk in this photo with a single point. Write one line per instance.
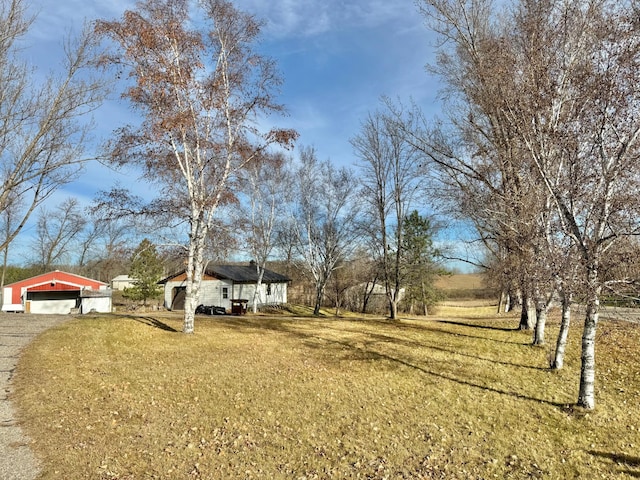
(502, 303)
(563, 334)
(191, 294)
(541, 320)
(260, 268)
(531, 314)
(586, 394)
(195, 270)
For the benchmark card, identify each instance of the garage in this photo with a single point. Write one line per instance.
(56, 293)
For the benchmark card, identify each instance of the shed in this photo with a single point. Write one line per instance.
(223, 283)
(56, 293)
(121, 282)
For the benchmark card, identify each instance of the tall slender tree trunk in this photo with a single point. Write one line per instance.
(541, 321)
(5, 254)
(423, 291)
(502, 301)
(195, 269)
(319, 296)
(586, 394)
(563, 334)
(541, 317)
(393, 306)
(367, 294)
(528, 314)
(531, 314)
(256, 293)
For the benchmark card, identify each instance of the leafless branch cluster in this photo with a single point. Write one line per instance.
(541, 150)
(44, 126)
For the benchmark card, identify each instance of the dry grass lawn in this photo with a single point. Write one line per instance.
(458, 397)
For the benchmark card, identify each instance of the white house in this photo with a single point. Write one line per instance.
(222, 284)
(121, 282)
(56, 292)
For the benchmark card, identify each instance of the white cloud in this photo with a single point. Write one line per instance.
(304, 18)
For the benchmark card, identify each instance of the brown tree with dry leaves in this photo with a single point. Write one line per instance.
(200, 89)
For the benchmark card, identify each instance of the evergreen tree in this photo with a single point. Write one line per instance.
(146, 269)
(419, 261)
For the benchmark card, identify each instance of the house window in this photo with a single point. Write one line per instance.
(268, 289)
(225, 292)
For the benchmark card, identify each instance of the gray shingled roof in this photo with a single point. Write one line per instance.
(245, 274)
(238, 274)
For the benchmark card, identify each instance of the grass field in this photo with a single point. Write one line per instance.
(448, 397)
(466, 286)
(461, 281)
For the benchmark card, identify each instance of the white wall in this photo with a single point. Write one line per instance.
(212, 293)
(8, 306)
(52, 306)
(99, 304)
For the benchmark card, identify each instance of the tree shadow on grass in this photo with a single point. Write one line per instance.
(429, 326)
(359, 353)
(360, 349)
(475, 325)
(414, 344)
(153, 322)
(484, 359)
(620, 459)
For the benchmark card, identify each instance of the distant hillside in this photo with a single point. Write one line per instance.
(464, 286)
(461, 281)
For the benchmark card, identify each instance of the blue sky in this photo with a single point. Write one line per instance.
(337, 59)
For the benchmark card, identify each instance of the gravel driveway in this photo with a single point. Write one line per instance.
(17, 461)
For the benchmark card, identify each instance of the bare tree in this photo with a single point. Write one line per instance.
(481, 159)
(584, 137)
(324, 217)
(567, 84)
(104, 246)
(390, 179)
(200, 94)
(43, 127)
(265, 183)
(57, 231)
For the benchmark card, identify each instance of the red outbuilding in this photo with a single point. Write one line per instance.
(56, 292)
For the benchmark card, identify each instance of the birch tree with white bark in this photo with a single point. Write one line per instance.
(265, 184)
(581, 97)
(324, 213)
(569, 96)
(200, 89)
